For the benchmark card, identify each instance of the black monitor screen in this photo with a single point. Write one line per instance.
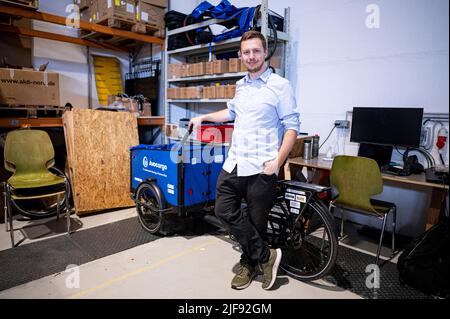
(387, 125)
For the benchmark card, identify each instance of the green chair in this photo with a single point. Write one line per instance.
(29, 155)
(356, 180)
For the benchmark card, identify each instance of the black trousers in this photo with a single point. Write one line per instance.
(249, 227)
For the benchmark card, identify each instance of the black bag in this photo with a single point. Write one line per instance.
(424, 264)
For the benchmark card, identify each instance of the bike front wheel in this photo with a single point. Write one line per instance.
(312, 252)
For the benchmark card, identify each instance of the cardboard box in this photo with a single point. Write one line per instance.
(190, 69)
(170, 93)
(195, 92)
(234, 65)
(29, 87)
(117, 9)
(230, 91)
(209, 92)
(150, 14)
(209, 67)
(159, 3)
(171, 130)
(220, 66)
(220, 92)
(147, 109)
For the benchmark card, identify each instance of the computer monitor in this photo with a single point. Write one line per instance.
(378, 129)
(394, 126)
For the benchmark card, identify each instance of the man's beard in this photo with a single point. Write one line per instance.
(256, 68)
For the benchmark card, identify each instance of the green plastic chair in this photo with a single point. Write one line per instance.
(28, 155)
(357, 179)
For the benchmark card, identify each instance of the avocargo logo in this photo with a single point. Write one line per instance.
(148, 163)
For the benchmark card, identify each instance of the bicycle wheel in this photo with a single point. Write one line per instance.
(313, 250)
(149, 203)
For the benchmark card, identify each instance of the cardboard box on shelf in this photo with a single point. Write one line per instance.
(117, 9)
(220, 66)
(234, 65)
(230, 91)
(220, 91)
(150, 14)
(171, 130)
(195, 92)
(29, 87)
(159, 3)
(199, 68)
(209, 67)
(190, 69)
(171, 93)
(209, 92)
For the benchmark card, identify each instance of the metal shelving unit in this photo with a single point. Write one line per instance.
(192, 52)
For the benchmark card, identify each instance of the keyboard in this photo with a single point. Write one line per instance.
(434, 176)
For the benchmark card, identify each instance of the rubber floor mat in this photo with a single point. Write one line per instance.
(354, 271)
(32, 261)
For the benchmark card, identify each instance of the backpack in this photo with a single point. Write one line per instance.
(424, 264)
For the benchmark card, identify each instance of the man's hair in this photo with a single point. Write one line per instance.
(253, 35)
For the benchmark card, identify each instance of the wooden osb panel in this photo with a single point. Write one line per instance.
(98, 144)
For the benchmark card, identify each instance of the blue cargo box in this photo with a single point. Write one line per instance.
(185, 183)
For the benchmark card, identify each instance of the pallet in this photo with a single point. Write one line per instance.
(30, 4)
(122, 24)
(31, 111)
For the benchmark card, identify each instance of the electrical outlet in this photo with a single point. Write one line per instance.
(342, 124)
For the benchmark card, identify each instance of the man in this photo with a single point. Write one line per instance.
(265, 129)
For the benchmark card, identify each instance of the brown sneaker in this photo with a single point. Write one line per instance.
(270, 268)
(244, 277)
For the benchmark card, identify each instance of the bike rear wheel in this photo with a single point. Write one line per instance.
(149, 206)
(312, 252)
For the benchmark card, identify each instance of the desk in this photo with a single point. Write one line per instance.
(320, 165)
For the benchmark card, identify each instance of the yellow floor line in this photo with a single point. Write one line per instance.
(143, 269)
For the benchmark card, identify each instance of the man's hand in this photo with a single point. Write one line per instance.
(271, 167)
(194, 122)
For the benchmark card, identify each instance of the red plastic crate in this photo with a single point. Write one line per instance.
(214, 133)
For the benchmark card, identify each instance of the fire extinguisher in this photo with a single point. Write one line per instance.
(441, 140)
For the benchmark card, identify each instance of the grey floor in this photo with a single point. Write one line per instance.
(171, 267)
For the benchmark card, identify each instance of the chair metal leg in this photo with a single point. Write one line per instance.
(57, 207)
(67, 207)
(381, 238)
(9, 214)
(5, 207)
(394, 222)
(342, 223)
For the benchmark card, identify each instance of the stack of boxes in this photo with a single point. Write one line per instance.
(180, 70)
(144, 12)
(224, 91)
(215, 91)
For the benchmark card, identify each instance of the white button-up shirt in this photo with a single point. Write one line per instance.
(263, 110)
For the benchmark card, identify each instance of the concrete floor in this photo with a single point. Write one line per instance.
(171, 267)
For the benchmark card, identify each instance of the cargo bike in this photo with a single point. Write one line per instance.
(181, 178)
